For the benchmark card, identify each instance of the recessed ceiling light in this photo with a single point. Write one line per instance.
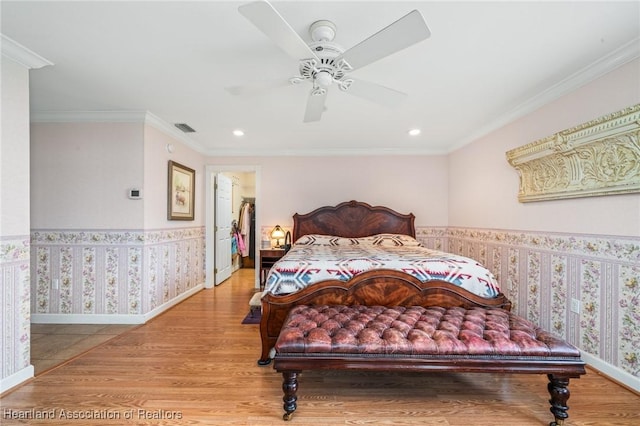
(238, 132)
(414, 132)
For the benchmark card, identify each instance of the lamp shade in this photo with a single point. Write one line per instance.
(277, 234)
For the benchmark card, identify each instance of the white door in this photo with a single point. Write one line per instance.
(222, 230)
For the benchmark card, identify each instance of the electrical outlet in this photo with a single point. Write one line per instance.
(55, 283)
(575, 306)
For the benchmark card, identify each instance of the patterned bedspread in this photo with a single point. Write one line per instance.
(315, 258)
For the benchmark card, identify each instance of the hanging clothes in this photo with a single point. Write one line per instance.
(234, 245)
(252, 232)
(234, 238)
(240, 241)
(246, 225)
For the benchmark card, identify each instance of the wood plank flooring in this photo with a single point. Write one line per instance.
(53, 344)
(196, 364)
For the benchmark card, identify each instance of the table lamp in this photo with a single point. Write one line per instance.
(277, 234)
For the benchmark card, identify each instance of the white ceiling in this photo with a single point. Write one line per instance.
(485, 64)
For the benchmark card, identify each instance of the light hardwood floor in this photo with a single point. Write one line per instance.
(196, 364)
(54, 344)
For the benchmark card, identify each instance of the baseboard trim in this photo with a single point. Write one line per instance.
(16, 379)
(86, 319)
(114, 318)
(160, 309)
(612, 372)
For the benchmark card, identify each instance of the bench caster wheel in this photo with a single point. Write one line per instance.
(287, 416)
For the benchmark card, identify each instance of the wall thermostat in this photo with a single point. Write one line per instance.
(135, 194)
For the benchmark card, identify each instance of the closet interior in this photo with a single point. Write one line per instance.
(243, 225)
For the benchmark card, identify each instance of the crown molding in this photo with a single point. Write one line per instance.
(606, 64)
(172, 131)
(20, 54)
(356, 152)
(142, 117)
(88, 116)
(621, 56)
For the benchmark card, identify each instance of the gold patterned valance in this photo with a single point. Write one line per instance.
(600, 157)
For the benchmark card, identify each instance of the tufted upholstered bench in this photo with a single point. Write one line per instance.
(416, 338)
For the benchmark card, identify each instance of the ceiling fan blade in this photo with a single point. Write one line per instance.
(376, 93)
(315, 107)
(267, 19)
(257, 88)
(406, 31)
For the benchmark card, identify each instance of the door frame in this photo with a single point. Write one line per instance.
(209, 211)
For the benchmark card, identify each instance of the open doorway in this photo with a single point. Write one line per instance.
(244, 191)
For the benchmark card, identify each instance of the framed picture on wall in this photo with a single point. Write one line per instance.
(181, 192)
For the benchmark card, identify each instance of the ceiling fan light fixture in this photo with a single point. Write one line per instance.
(323, 78)
(322, 61)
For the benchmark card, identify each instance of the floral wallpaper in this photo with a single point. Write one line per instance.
(113, 272)
(542, 272)
(559, 298)
(129, 272)
(629, 318)
(15, 328)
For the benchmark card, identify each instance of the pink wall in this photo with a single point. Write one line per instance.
(101, 256)
(14, 161)
(409, 184)
(483, 187)
(80, 174)
(156, 159)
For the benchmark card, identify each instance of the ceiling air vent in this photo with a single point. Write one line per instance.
(185, 127)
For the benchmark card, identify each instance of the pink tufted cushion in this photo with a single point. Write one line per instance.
(415, 330)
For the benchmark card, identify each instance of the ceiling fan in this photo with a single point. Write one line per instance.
(323, 62)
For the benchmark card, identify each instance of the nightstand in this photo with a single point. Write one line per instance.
(267, 258)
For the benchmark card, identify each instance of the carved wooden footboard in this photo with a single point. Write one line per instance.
(373, 288)
(353, 219)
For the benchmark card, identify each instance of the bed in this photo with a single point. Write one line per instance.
(381, 285)
(389, 319)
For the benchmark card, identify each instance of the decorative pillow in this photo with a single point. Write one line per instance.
(325, 240)
(393, 240)
(383, 240)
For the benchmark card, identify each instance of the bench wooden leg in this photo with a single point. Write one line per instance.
(559, 390)
(290, 387)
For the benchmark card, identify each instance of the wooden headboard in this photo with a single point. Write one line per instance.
(353, 219)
